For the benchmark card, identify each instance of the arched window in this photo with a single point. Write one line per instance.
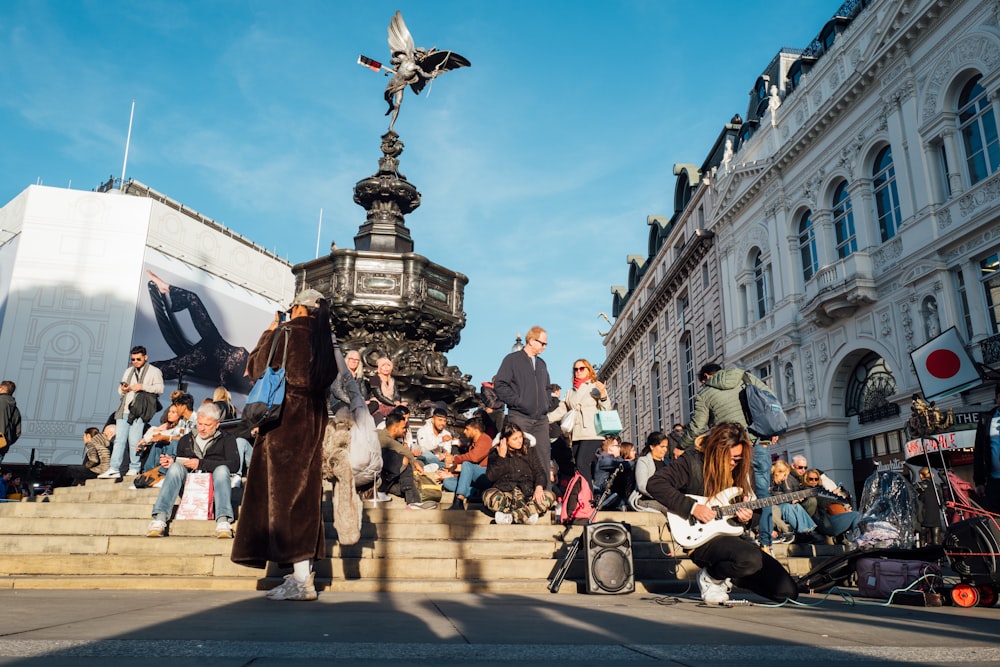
(886, 196)
(843, 222)
(807, 248)
(869, 389)
(978, 126)
(687, 363)
(760, 271)
(656, 396)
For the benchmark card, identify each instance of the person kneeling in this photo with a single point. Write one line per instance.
(208, 450)
(518, 493)
(723, 461)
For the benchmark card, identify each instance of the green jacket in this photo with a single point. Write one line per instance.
(718, 402)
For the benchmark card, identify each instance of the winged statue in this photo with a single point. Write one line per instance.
(411, 66)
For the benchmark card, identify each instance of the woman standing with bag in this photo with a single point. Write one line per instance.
(280, 519)
(583, 400)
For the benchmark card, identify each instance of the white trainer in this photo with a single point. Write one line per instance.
(713, 591)
(292, 590)
(111, 474)
(503, 519)
(156, 528)
(532, 520)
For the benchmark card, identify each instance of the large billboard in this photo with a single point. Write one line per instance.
(198, 328)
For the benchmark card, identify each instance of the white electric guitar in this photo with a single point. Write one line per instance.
(691, 533)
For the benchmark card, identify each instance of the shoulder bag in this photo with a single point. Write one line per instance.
(263, 407)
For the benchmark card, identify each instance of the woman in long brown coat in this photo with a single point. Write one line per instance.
(280, 518)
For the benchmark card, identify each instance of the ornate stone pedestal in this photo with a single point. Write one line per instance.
(387, 300)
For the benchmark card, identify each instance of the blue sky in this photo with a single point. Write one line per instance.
(538, 165)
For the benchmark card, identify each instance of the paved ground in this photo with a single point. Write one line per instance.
(63, 628)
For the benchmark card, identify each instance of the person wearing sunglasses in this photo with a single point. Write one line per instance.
(720, 462)
(141, 381)
(833, 516)
(586, 397)
(522, 382)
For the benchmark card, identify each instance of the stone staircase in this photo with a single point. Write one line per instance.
(93, 537)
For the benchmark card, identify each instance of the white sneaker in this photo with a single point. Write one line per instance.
(532, 520)
(111, 474)
(503, 519)
(235, 481)
(713, 591)
(223, 530)
(293, 590)
(156, 528)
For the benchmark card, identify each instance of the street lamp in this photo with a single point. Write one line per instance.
(518, 345)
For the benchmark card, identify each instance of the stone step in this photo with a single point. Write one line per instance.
(325, 586)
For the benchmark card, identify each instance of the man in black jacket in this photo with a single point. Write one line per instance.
(986, 457)
(523, 384)
(207, 450)
(10, 417)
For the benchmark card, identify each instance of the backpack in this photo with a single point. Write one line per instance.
(765, 417)
(577, 501)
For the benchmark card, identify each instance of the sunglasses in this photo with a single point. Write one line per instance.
(800, 467)
(580, 368)
(812, 479)
(136, 358)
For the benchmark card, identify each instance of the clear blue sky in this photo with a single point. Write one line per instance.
(538, 165)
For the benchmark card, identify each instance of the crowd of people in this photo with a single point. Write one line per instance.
(513, 456)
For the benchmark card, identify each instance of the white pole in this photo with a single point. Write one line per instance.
(319, 232)
(128, 139)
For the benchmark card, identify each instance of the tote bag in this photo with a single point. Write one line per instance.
(263, 407)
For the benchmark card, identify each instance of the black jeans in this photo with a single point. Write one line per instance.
(397, 479)
(729, 557)
(584, 453)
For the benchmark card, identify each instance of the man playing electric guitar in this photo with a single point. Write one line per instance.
(723, 461)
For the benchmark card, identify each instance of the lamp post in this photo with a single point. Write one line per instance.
(518, 345)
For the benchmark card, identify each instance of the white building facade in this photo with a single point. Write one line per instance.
(856, 217)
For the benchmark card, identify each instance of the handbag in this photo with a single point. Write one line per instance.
(263, 406)
(150, 478)
(568, 422)
(428, 488)
(196, 503)
(880, 577)
(608, 422)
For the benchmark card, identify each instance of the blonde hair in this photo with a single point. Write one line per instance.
(591, 375)
(533, 334)
(222, 394)
(780, 466)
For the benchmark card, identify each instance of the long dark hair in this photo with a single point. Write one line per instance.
(322, 346)
(717, 475)
(510, 429)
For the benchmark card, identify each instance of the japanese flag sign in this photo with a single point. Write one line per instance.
(944, 367)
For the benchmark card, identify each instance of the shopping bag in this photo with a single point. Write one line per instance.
(608, 422)
(197, 501)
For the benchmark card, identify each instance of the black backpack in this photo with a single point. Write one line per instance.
(765, 417)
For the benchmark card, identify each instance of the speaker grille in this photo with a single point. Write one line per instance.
(612, 571)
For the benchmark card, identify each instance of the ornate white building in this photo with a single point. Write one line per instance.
(854, 217)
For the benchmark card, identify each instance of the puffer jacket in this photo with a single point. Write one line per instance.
(718, 402)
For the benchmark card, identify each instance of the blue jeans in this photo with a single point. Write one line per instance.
(127, 436)
(794, 514)
(246, 451)
(468, 476)
(761, 471)
(157, 449)
(173, 482)
(836, 525)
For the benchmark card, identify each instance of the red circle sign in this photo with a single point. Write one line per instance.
(943, 364)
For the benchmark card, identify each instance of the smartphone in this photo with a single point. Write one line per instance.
(282, 316)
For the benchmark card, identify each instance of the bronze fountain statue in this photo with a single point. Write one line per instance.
(386, 300)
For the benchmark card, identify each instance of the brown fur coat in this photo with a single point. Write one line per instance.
(280, 518)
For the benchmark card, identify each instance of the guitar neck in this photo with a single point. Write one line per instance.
(728, 510)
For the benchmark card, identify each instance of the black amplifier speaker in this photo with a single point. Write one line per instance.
(608, 552)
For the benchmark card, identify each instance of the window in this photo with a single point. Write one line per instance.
(631, 368)
(978, 126)
(760, 279)
(807, 250)
(705, 279)
(709, 340)
(886, 196)
(843, 222)
(682, 306)
(963, 301)
(943, 166)
(656, 397)
(653, 341)
(690, 389)
(670, 374)
(869, 390)
(764, 373)
(989, 269)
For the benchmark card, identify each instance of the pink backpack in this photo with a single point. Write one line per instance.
(577, 501)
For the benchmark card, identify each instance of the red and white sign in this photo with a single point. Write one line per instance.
(944, 367)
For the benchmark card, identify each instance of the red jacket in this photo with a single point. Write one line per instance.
(478, 451)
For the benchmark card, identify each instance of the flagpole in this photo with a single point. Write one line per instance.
(319, 232)
(128, 140)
